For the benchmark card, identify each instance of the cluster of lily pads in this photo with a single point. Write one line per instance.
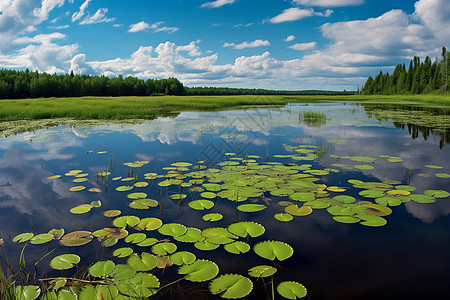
(291, 186)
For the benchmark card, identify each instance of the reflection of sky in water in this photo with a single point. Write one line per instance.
(335, 261)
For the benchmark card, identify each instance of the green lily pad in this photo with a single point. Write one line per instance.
(237, 247)
(389, 200)
(437, 193)
(112, 213)
(141, 184)
(201, 204)
(143, 203)
(283, 217)
(372, 221)
(123, 221)
(344, 199)
(57, 233)
(123, 272)
(251, 207)
(377, 210)
(346, 219)
(246, 228)
(218, 235)
(262, 271)
(140, 286)
(23, 237)
(137, 195)
(212, 217)
(405, 188)
(291, 290)
(208, 195)
(273, 250)
(77, 188)
(102, 268)
(147, 242)
(178, 196)
(372, 193)
(231, 286)
(442, 175)
(135, 238)
(149, 224)
(27, 292)
(124, 188)
(76, 238)
(199, 271)
(192, 235)
(172, 229)
(41, 238)
(123, 252)
(183, 258)
(205, 245)
(164, 248)
(338, 210)
(433, 167)
(424, 199)
(65, 261)
(303, 196)
(144, 262)
(296, 211)
(81, 209)
(363, 167)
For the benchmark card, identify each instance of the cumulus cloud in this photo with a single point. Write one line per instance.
(192, 49)
(329, 3)
(435, 15)
(217, 3)
(303, 46)
(22, 16)
(243, 45)
(141, 26)
(289, 38)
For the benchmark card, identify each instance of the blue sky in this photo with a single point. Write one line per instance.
(276, 44)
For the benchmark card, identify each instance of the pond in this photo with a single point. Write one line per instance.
(349, 200)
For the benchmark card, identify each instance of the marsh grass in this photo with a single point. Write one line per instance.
(313, 118)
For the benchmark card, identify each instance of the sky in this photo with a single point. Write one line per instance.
(276, 44)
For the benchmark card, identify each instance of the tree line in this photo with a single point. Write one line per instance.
(211, 91)
(16, 84)
(419, 78)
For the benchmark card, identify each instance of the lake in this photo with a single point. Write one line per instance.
(358, 192)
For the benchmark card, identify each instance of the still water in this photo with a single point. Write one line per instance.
(407, 258)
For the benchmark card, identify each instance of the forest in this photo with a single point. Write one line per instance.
(18, 84)
(419, 78)
(32, 84)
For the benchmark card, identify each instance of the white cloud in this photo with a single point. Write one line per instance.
(217, 3)
(435, 15)
(329, 3)
(141, 26)
(58, 27)
(98, 17)
(303, 46)
(292, 14)
(79, 14)
(40, 38)
(243, 45)
(19, 17)
(243, 25)
(289, 38)
(192, 49)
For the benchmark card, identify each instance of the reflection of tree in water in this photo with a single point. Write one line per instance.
(418, 120)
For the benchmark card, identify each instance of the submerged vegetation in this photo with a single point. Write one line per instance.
(290, 184)
(313, 118)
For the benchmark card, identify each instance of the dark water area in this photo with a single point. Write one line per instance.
(405, 259)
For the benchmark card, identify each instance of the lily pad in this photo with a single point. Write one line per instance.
(244, 229)
(102, 268)
(424, 199)
(346, 219)
(81, 209)
(112, 213)
(27, 292)
(172, 229)
(57, 233)
(183, 258)
(201, 204)
(41, 238)
(123, 221)
(251, 207)
(283, 217)
(143, 203)
(273, 250)
(149, 224)
(208, 195)
(137, 195)
(124, 188)
(296, 211)
(442, 175)
(212, 217)
(23, 237)
(437, 193)
(237, 247)
(164, 248)
(65, 261)
(218, 235)
(372, 221)
(192, 235)
(205, 245)
(199, 271)
(144, 262)
(262, 271)
(123, 252)
(291, 290)
(77, 188)
(140, 286)
(231, 286)
(377, 210)
(76, 238)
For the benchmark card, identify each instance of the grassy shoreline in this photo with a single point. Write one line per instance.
(48, 112)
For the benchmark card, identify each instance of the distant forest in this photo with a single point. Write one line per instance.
(16, 84)
(420, 78)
